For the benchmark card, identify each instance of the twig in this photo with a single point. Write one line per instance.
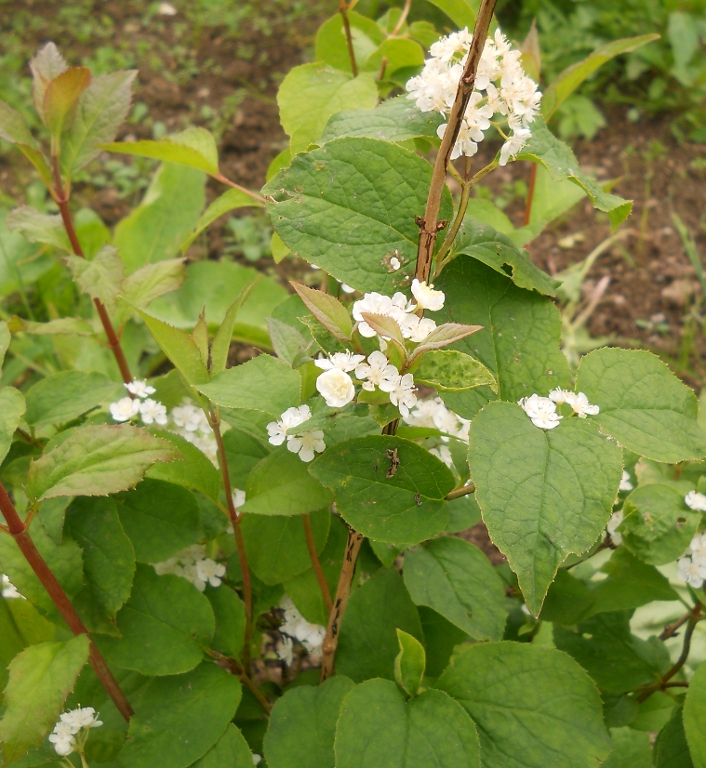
(316, 563)
(239, 672)
(18, 530)
(235, 518)
(671, 629)
(383, 67)
(464, 490)
(466, 187)
(355, 540)
(429, 226)
(402, 18)
(343, 10)
(225, 180)
(62, 201)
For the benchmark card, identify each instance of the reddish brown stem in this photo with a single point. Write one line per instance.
(235, 518)
(530, 194)
(18, 530)
(343, 10)
(353, 545)
(62, 201)
(430, 226)
(316, 563)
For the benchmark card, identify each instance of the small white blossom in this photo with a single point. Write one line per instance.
(69, 724)
(377, 372)
(285, 651)
(190, 418)
(124, 409)
(336, 387)
(395, 264)
(698, 548)
(615, 520)
(625, 482)
(541, 410)
(427, 297)
(7, 589)
(140, 388)
(403, 395)
(238, 498)
(691, 571)
(376, 304)
(443, 453)
(696, 501)
(582, 407)
(209, 571)
(153, 412)
(291, 418)
(311, 636)
(513, 145)
(307, 444)
(416, 328)
(62, 738)
(560, 395)
(344, 361)
(433, 414)
(193, 565)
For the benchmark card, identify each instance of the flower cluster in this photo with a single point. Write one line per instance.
(695, 501)
(612, 527)
(150, 410)
(433, 414)
(542, 410)
(692, 564)
(501, 88)
(296, 627)
(70, 724)
(304, 443)
(193, 565)
(191, 423)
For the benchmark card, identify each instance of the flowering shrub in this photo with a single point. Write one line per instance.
(227, 565)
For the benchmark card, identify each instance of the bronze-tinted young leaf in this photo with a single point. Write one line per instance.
(101, 277)
(47, 64)
(328, 310)
(386, 327)
(61, 96)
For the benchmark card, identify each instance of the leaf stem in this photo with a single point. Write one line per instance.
(429, 225)
(464, 490)
(316, 563)
(18, 530)
(343, 10)
(62, 200)
(225, 180)
(239, 672)
(402, 19)
(350, 557)
(235, 518)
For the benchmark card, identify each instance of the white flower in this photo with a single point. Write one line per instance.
(7, 589)
(307, 443)
(140, 388)
(696, 501)
(395, 264)
(62, 737)
(238, 498)
(377, 372)
(125, 409)
(190, 418)
(579, 402)
(416, 328)
(290, 419)
(336, 387)
(541, 410)
(311, 636)
(210, 571)
(344, 361)
(82, 717)
(427, 297)
(433, 414)
(153, 412)
(443, 453)
(403, 394)
(698, 548)
(376, 304)
(285, 651)
(513, 145)
(625, 482)
(560, 395)
(615, 520)
(347, 288)
(691, 571)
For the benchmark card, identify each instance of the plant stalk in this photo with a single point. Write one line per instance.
(353, 545)
(429, 225)
(530, 195)
(316, 563)
(464, 490)
(343, 10)
(18, 530)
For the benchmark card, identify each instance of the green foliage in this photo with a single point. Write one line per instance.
(409, 663)
(694, 712)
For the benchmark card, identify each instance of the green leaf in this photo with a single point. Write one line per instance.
(38, 227)
(671, 749)
(164, 626)
(100, 111)
(229, 611)
(631, 749)
(567, 601)
(160, 519)
(328, 310)
(179, 347)
(41, 678)
(394, 120)
(533, 706)
(13, 127)
(64, 396)
(262, 384)
(643, 405)
(12, 407)
(20, 626)
(461, 12)
(543, 493)
(303, 725)
(457, 580)
(5, 339)
(228, 201)
(289, 345)
(453, 371)
(108, 556)
(543, 147)
(368, 645)
(47, 64)
(350, 205)
(399, 53)
(569, 80)
(194, 147)
(331, 44)
(311, 93)
(179, 718)
(399, 504)
(73, 326)
(281, 485)
(658, 525)
(695, 716)
(617, 660)
(230, 750)
(378, 728)
(96, 460)
(155, 230)
(60, 97)
(276, 546)
(221, 341)
(192, 470)
(409, 663)
(519, 341)
(243, 452)
(150, 282)
(482, 242)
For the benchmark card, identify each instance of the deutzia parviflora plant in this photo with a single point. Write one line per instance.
(72, 730)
